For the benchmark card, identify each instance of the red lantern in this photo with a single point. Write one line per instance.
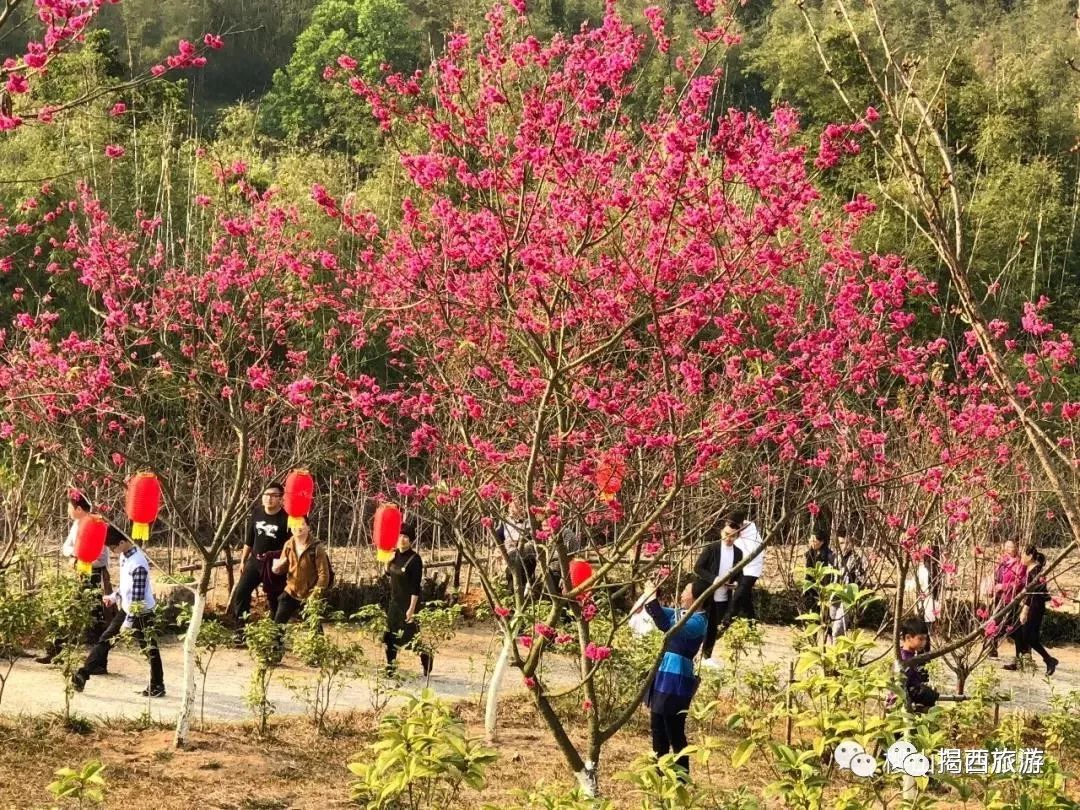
(609, 477)
(387, 529)
(143, 503)
(299, 494)
(90, 539)
(580, 572)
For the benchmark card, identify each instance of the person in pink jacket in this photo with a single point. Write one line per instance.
(1010, 579)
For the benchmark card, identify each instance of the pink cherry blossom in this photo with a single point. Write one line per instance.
(596, 652)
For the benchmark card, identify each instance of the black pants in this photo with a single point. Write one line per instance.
(395, 638)
(287, 607)
(669, 736)
(1028, 636)
(716, 621)
(520, 575)
(99, 653)
(742, 602)
(250, 579)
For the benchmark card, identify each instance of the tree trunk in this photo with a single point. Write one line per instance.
(187, 697)
(495, 686)
(229, 568)
(588, 780)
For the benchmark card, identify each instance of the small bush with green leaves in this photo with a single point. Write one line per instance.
(422, 758)
(372, 620)
(20, 622)
(67, 613)
(1061, 725)
(335, 662)
(438, 622)
(213, 636)
(263, 639)
(155, 623)
(839, 693)
(83, 787)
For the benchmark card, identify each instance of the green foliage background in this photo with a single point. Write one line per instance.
(999, 77)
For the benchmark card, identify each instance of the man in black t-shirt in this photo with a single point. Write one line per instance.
(266, 536)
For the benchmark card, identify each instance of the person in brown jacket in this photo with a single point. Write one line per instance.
(306, 565)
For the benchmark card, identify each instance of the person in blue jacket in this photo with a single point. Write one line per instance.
(674, 684)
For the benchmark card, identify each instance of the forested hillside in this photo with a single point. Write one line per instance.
(1000, 77)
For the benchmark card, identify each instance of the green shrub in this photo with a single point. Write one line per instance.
(263, 639)
(20, 621)
(335, 663)
(84, 787)
(67, 610)
(422, 758)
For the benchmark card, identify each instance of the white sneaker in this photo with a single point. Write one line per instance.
(710, 663)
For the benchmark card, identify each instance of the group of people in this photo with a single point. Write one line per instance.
(288, 564)
(523, 557)
(291, 564)
(739, 544)
(1019, 574)
(729, 566)
(1018, 581)
(125, 607)
(850, 565)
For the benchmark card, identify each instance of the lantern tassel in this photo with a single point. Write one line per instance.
(295, 522)
(84, 568)
(383, 556)
(140, 531)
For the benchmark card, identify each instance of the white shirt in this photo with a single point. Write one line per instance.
(749, 541)
(641, 623)
(922, 582)
(727, 562)
(68, 549)
(511, 535)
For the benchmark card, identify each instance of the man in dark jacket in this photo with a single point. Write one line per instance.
(717, 560)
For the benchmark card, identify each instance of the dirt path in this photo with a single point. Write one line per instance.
(463, 668)
(37, 689)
